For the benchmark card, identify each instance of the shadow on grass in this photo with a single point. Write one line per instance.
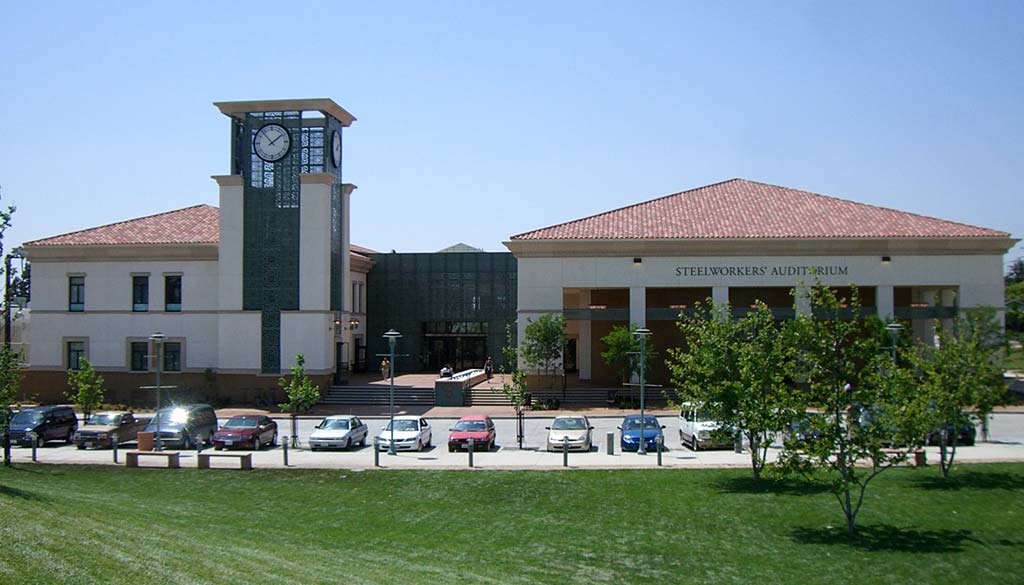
(748, 485)
(881, 537)
(972, 480)
(13, 492)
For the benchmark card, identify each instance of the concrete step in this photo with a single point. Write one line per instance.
(375, 395)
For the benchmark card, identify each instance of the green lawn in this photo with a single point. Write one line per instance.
(63, 524)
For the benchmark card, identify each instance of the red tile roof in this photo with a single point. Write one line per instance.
(199, 224)
(747, 209)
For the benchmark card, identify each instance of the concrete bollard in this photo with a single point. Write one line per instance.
(661, 444)
(471, 443)
(565, 452)
(284, 451)
(35, 440)
(611, 443)
(113, 447)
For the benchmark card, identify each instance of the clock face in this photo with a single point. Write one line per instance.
(336, 148)
(272, 142)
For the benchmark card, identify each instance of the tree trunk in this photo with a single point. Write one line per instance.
(755, 452)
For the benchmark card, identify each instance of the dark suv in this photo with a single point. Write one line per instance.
(45, 423)
(184, 426)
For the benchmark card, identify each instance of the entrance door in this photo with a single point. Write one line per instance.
(569, 355)
(461, 353)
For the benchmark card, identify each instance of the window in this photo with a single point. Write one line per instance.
(140, 355)
(76, 351)
(140, 293)
(76, 293)
(172, 293)
(172, 356)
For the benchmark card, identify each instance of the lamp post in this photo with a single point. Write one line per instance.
(158, 341)
(894, 330)
(392, 337)
(15, 253)
(642, 333)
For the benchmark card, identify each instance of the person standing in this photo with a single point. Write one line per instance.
(489, 367)
(385, 368)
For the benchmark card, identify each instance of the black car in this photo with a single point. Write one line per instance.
(184, 426)
(965, 437)
(44, 423)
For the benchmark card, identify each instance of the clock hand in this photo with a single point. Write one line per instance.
(276, 139)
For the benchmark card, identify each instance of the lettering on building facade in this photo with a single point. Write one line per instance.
(831, 270)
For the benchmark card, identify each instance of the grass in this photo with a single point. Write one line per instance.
(1015, 360)
(64, 524)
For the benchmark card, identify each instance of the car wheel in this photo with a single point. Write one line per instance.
(362, 442)
(419, 446)
(694, 445)
(80, 447)
(256, 443)
(273, 440)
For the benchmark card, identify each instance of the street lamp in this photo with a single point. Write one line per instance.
(894, 330)
(15, 253)
(158, 341)
(392, 337)
(642, 334)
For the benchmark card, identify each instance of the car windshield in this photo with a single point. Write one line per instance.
(27, 417)
(471, 425)
(170, 417)
(403, 425)
(334, 424)
(568, 424)
(105, 419)
(241, 423)
(633, 424)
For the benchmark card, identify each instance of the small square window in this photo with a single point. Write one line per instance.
(172, 356)
(140, 355)
(76, 351)
(76, 294)
(140, 293)
(172, 294)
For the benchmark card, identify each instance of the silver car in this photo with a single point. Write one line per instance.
(572, 428)
(338, 432)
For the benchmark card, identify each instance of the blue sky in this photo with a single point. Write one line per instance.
(479, 120)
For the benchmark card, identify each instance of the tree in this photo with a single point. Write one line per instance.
(735, 370)
(10, 380)
(842, 362)
(513, 384)
(1015, 306)
(86, 388)
(301, 392)
(1015, 273)
(623, 351)
(963, 371)
(543, 343)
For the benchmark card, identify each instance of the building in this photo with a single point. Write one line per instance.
(739, 241)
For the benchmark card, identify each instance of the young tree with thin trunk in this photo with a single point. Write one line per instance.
(301, 392)
(865, 424)
(623, 350)
(544, 342)
(735, 370)
(86, 388)
(10, 380)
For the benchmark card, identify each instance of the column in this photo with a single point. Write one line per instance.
(584, 345)
(638, 306)
(315, 241)
(947, 298)
(885, 302)
(720, 295)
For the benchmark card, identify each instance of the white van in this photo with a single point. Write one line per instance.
(697, 431)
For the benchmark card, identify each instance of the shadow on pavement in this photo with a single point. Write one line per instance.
(881, 537)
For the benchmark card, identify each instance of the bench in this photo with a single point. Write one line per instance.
(173, 458)
(917, 456)
(244, 459)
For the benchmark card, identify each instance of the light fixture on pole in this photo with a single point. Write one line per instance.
(392, 337)
(894, 329)
(158, 340)
(642, 334)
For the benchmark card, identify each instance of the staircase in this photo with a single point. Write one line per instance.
(484, 396)
(377, 396)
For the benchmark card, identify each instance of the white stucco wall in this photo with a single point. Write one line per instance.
(315, 247)
(312, 335)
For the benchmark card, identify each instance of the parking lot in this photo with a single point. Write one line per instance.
(1006, 444)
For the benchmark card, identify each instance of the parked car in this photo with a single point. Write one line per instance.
(338, 432)
(477, 427)
(106, 429)
(45, 423)
(807, 428)
(411, 433)
(633, 431)
(576, 429)
(966, 436)
(246, 430)
(184, 426)
(697, 431)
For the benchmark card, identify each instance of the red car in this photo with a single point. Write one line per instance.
(246, 430)
(478, 427)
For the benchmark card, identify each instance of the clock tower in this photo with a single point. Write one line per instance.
(284, 236)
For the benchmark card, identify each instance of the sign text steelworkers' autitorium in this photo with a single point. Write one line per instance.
(834, 270)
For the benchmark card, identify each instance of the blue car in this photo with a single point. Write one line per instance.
(631, 433)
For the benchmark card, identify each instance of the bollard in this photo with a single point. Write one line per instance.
(565, 451)
(376, 454)
(113, 446)
(661, 443)
(737, 442)
(35, 445)
(471, 443)
(611, 443)
(285, 450)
